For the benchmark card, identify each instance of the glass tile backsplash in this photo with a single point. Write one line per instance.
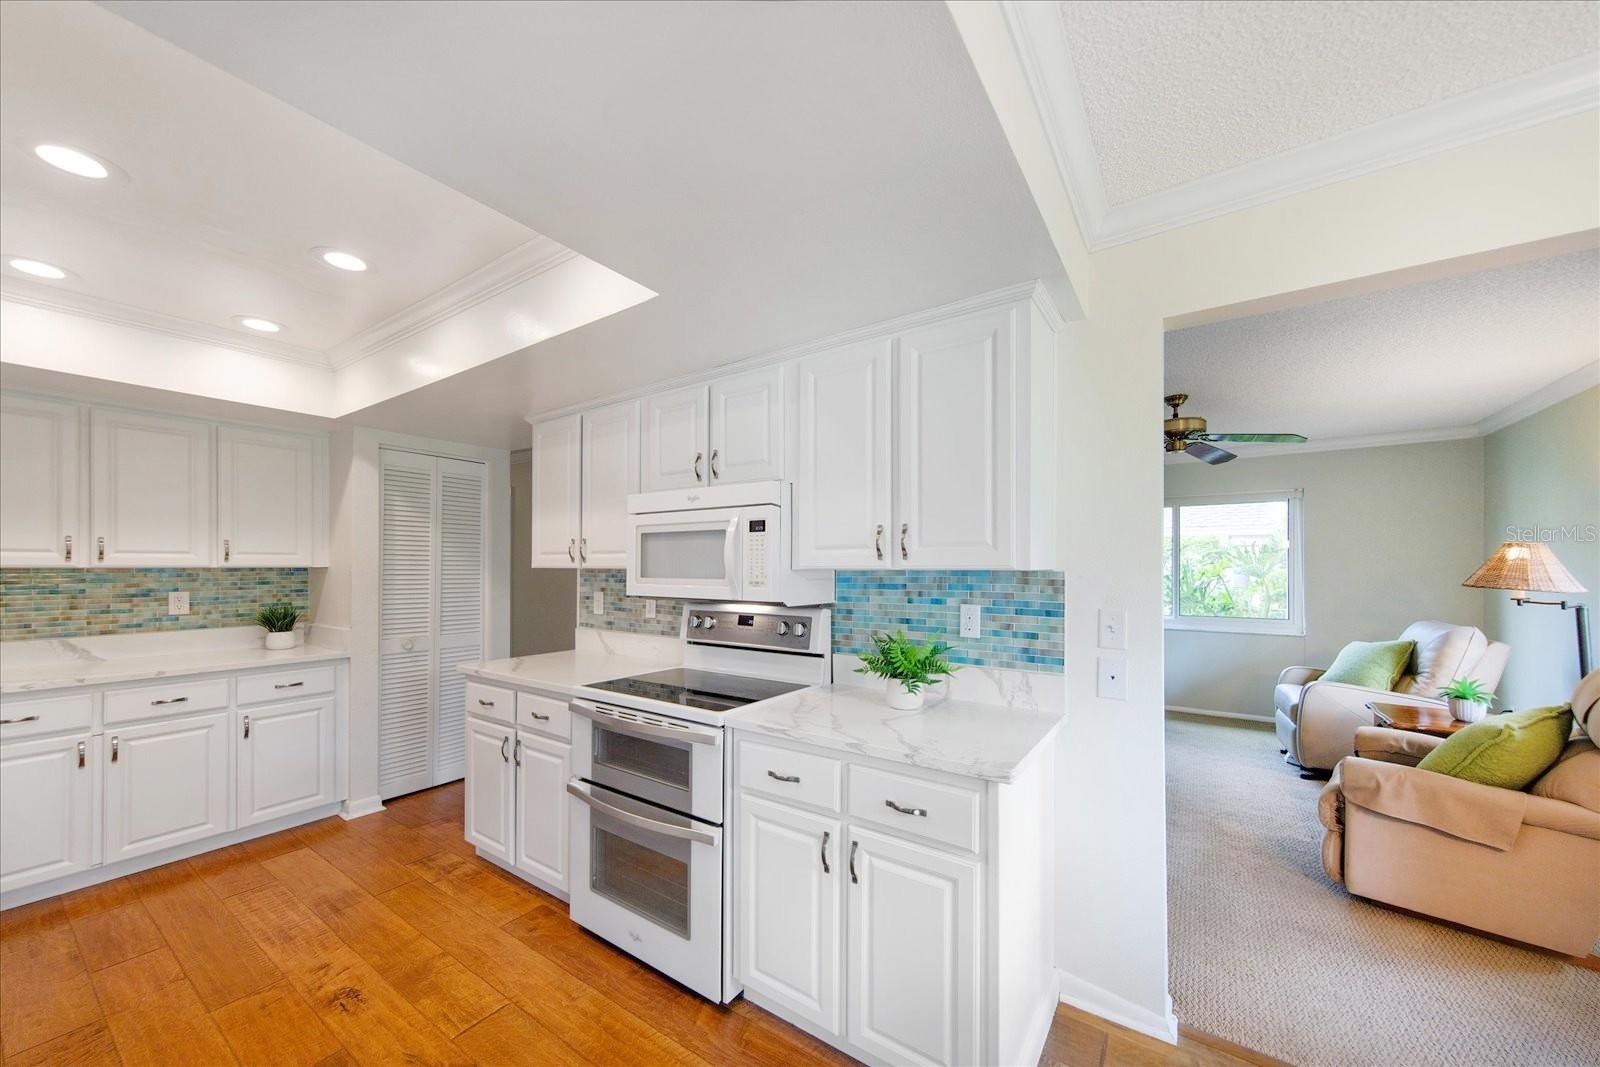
(41, 602)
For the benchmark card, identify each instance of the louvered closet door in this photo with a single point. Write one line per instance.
(406, 674)
(461, 580)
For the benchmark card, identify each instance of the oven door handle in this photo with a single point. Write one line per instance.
(584, 792)
(697, 735)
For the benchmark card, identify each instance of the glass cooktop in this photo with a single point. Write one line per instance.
(707, 690)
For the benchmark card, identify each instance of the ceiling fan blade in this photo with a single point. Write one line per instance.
(1209, 453)
(1277, 438)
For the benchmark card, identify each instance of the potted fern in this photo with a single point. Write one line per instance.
(278, 620)
(1468, 700)
(906, 667)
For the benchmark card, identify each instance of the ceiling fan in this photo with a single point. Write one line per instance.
(1188, 434)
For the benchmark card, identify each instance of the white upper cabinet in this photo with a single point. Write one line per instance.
(747, 427)
(556, 473)
(610, 472)
(956, 445)
(842, 457)
(150, 490)
(675, 439)
(265, 498)
(41, 486)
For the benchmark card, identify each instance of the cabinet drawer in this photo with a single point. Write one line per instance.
(285, 685)
(51, 715)
(545, 715)
(491, 702)
(158, 701)
(802, 777)
(916, 806)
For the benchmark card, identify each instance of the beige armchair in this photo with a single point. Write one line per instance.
(1522, 865)
(1317, 720)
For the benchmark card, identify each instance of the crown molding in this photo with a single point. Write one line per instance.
(1040, 44)
(1564, 388)
(512, 269)
(109, 311)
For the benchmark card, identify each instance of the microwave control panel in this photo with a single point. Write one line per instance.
(755, 553)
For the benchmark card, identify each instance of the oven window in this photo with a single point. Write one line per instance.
(672, 555)
(646, 873)
(655, 760)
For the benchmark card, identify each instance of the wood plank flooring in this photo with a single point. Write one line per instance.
(385, 940)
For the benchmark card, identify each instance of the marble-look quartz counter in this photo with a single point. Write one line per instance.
(965, 737)
(599, 657)
(74, 664)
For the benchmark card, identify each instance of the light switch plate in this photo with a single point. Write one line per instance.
(1113, 628)
(599, 602)
(1111, 682)
(649, 609)
(972, 620)
(177, 603)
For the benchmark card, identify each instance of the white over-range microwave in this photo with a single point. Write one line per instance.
(725, 542)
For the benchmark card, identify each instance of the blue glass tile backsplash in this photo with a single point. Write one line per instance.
(40, 602)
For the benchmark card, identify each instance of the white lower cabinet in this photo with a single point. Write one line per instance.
(47, 809)
(516, 811)
(285, 759)
(167, 783)
(542, 768)
(491, 789)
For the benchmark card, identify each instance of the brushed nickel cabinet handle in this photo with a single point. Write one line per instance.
(247, 727)
(69, 548)
(227, 550)
(288, 685)
(504, 741)
(83, 750)
(906, 811)
(170, 700)
(715, 474)
(113, 748)
(905, 528)
(536, 715)
(25, 718)
(100, 549)
(825, 868)
(877, 540)
(697, 457)
(795, 778)
(853, 846)
(583, 550)
(516, 752)
(482, 703)
(572, 550)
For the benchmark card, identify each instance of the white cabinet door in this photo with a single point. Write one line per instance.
(150, 503)
(285, 759)
(842, 458)
(747, 427)
(610, 473)
(674, 447)
(408, 620)
(167, 783)
(491, 814)
(542, 768)
(913, 944)
(40, 484)
(956, 454)
(265, 498)
(788, 899)
(555, 460)
(47, 809)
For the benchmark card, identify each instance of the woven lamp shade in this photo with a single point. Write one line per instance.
(1526, 566)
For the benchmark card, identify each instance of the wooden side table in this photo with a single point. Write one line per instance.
(1418, 718)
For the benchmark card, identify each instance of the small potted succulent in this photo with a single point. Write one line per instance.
(906, 667)
(1468, 700)
(278, 620)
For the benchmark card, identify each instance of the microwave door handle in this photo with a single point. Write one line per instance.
(731, 560)
(584, 792)
(695, 735)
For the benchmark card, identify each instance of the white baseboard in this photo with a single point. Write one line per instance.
(1212, 713)
(1096, 1001)
(355, 809)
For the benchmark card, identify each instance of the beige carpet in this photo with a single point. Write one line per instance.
(1266, 951)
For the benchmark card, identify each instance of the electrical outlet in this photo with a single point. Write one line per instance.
(1111, 682)
(1113, 627)
(649, 609)
(971, 620)
(599, 602)
(177, 603)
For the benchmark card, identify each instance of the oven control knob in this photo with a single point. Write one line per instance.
(783, 628)
(799, 629)
(694, 622)
(709, 622)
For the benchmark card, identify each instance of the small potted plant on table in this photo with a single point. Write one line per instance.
(906, 667)
(278, 620)
(1468, 700)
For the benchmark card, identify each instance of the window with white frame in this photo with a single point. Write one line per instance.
(1232, 563)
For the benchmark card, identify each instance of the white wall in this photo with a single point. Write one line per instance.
(1544, 472)
(1389, 535)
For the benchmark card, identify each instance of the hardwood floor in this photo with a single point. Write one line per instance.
(386, 940)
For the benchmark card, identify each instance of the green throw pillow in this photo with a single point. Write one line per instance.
(1370, 664)
(1510, 751)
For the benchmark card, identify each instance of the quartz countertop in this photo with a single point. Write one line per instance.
(75, 665)
(560, 672)
(977, 740)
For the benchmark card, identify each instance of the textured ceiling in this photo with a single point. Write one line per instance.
(1175, 90)
(1431, 356)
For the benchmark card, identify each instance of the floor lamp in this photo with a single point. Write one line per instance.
(1525, 567)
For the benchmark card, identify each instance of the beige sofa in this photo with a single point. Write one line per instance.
(1523, 865)
(1317, 720)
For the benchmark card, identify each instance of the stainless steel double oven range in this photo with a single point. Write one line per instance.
(650, 862)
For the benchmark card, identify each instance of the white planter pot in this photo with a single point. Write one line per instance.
(899, 699)
(1467, 710)
(281, 640)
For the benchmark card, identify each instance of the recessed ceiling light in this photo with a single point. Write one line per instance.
(343, 260)
(38, 269)
(259, 325)
(72, 161)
